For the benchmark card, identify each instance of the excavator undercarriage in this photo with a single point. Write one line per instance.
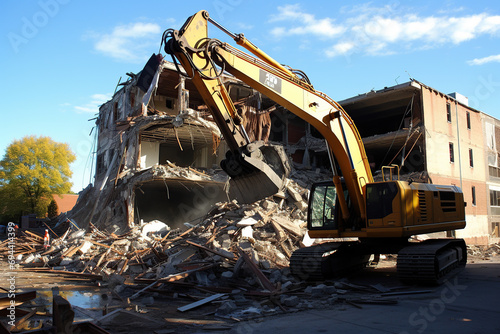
(428, 262)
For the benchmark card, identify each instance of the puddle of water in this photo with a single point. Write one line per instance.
(84, 299)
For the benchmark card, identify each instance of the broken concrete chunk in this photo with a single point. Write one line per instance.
(249, 221)
(275, 276)
(265, 264)
(291, 301)
(318, 291)
(224, 253)
(291, 227)
(247, 233)
(138, 245)
(286, 285)
(66, 261)
(76, 235)
(294, 193)
(227, 274)
(115, 279)
(269, 205)
(119, 288)
(30, 258)
(154, 227)
(226, 308)
(240, 300)
(85, 247)
(301, 205)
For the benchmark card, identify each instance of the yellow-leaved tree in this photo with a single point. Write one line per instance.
(31, 171)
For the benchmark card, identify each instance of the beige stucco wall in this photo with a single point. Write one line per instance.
(438, 134)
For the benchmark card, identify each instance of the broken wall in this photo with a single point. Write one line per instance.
(153, 160)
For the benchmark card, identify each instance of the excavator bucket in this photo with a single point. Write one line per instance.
(258, 171)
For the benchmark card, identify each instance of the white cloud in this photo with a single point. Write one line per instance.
(305, 23)
(96, 100)
(383, 30)
(485, 60)
(339, 49)
(131, 43)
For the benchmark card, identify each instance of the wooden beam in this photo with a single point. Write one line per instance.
(21, 297)
(260, 275)
(19, 324)
(106, 246)
(64, 272)
(211, 250)
(200, 302)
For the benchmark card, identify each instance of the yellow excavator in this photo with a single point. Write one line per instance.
(380, 216)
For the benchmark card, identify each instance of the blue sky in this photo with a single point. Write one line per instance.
(61, 59)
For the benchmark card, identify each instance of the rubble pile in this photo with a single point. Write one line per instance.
(483, 251)
(269, 231)
(234, 259)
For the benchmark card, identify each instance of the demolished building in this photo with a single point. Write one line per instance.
(158, 149)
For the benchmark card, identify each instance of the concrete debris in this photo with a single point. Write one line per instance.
(290, 301)
(483, 251)
(156, 227)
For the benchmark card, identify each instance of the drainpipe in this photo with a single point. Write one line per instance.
(458, 138)
(453, 234)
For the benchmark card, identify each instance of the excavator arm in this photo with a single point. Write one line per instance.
(204, 59)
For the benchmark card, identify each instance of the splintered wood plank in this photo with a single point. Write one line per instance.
(260, 275)
(106, 246)
(195, 321)
(200, 302)
(20, 298)
(227, 256)
(289, 226)
(18, 324)
(64, 272)
(71, 251)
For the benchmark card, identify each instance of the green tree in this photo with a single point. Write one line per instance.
(33, 169)
(52, 209)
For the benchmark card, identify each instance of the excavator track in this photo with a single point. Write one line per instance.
(327, 260)
(432, 261)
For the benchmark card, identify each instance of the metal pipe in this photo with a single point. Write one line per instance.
(215, 23)
(458, 139)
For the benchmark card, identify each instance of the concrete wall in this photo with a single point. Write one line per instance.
(491, 128)
(150, 153)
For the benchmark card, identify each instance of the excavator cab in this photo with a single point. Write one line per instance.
(322, 211)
